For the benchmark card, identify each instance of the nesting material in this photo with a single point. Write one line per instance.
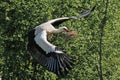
(71, 34)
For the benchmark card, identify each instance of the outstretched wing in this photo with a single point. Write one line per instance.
(56, 22)
(84, 14)
(51, 57)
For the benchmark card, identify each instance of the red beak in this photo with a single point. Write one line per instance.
(67, 30)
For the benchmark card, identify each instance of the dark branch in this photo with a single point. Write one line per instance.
(101, 26)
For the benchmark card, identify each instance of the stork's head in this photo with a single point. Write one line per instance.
(63, 28)
(68, 32)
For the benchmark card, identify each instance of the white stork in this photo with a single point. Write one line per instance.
(47, 54)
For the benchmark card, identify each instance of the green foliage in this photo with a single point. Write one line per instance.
(17, 18)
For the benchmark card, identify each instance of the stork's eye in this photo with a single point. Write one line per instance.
(65, 28)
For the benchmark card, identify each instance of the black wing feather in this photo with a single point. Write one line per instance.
(61, 20)
(57, 22)
(59, 63)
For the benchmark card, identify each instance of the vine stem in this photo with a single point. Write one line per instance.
(101, 26)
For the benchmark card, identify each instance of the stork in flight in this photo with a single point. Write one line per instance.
(47, 54)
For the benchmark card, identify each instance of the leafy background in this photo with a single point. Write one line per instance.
(18, 17)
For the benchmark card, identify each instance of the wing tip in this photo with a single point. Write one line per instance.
(93, 8)
(62, 66)
(67, 64)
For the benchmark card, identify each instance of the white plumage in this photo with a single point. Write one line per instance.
(41, 40)
(47, 54)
